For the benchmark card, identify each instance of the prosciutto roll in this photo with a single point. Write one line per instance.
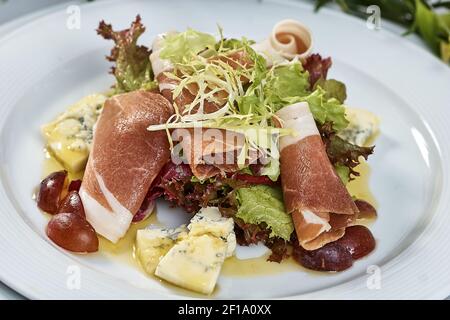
(163, 67)
(210, 152)
(289, 39)
(320, 205)
(160, 66)
(124, 160)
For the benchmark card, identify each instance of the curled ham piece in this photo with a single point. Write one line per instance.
(289, 39)
(211, 151)
(124, 161)
(320, 205)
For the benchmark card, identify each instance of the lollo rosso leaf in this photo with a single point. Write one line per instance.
(132, 65)
(317, 68)
(341, 152)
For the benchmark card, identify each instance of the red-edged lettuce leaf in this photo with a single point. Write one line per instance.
(132, 67)
(247, 233)
(317, 68)
(341, 152)
(175, 183)
(280, 249)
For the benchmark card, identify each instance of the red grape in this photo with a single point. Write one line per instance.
(50, 191)
(72, 232)
(72, 203)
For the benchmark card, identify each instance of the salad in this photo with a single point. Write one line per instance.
(251, 139)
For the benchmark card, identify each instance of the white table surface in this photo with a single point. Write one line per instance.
(14, 13)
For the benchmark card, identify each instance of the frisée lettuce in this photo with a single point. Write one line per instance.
(274, 88)
(185, 46)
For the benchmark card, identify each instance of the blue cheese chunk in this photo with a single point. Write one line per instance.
(190, 257)
(209, 221)
(152, 244)
(69, 136)
(194, 263)
(363, 126)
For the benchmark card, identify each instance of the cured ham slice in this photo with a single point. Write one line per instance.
(163, 67)
(124, 160)
(208, 151)
(160, 66)
(320, 205)
(211, 151)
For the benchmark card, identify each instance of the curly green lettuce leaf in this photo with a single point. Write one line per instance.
(326, 110)
(182, 47)
(273, 89)
(250, 104)
(285, 83)
(263, 204)
(132, 67)
(231, 44)
(333, 89)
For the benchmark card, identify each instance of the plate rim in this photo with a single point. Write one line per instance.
(316, 294)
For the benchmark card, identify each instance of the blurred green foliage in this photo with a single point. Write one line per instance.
(429, 19)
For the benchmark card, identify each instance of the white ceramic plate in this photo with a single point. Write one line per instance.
(45, 67)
